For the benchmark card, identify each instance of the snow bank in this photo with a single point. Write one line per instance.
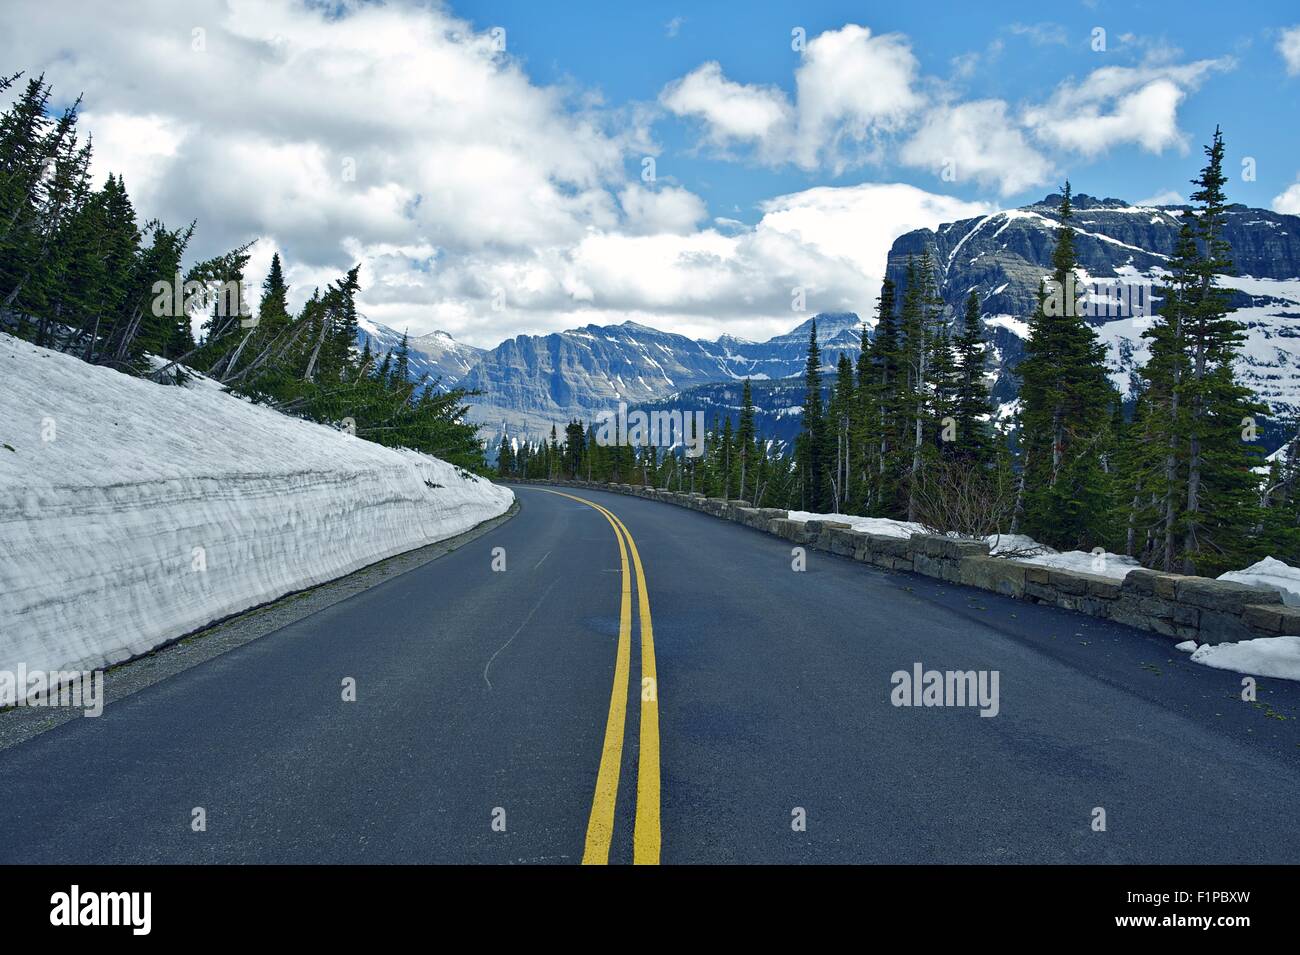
(1029, 551)
(871, 525)
(132, 513)
(1281, 577)
(1007, 545)
(1016, 546)
(1266, 656)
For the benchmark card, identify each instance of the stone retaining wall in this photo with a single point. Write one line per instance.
(1187, 608)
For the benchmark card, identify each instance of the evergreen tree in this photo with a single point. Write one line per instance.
(1065, 414)
(505, 457)
(401, 369)
(273, 310)
(812, 438)
(1157, 465)
(726, 442)
(162, 332)
(945, 384)
(915, 395)
(745, 436)
(840, 422)
(574, 449)
(971, 406)
(1222, 493)
(882, 406)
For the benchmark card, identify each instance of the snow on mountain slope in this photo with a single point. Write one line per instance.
(132, 513)
(1004, 256)
(1270, 356)
(451, 359)
(531, 382)
(437, 354)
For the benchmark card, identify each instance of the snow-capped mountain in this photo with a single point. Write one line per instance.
(1003, 257)
(778, 404)
(786, 355)
(437, 354)
(532, 382)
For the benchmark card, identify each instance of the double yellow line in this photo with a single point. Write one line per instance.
(600, 825)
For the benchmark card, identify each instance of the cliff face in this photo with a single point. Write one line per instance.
(531, 382)
(1004, 256)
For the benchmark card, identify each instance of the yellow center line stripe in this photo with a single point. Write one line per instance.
(646, 838)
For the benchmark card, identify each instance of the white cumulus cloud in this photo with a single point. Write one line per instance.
(729, 111)
(851, 86)
(977, 140)
(1288, 45)
(1116, 105)
(1288, 200)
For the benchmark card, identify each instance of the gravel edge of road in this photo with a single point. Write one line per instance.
(19, 724)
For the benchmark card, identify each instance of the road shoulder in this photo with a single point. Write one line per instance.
(19, 724)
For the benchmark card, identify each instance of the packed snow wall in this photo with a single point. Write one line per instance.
(132, 513)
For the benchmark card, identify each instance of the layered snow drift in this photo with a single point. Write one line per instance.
(883, 526)
(1265, 656)
(1269, 572)
(1016, 546)
(1029, 551)
(132, 513)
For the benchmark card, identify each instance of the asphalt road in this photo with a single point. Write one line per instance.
(483, 722)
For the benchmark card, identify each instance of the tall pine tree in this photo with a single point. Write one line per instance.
(811, 443)
(1065, 412)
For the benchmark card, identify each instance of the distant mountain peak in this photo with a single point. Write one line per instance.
(1003, 257)
(1080, 200)
(435, 354)
(530, 382)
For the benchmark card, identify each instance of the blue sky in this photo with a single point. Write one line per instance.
(627, 53)
(491, 185)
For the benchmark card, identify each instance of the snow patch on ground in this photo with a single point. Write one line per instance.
(132, 513)
(1103, 564)
(881, 526)
(1014, 546)
(1271, 573)
(1266, 656)
(1027, 550)
(1006, 545)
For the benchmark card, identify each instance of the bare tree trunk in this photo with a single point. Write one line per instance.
(916, 462)
(234, 359)
(1130, 536)
(1018, 512)
(1058, 443)
(315, 352)
(1171, 498)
